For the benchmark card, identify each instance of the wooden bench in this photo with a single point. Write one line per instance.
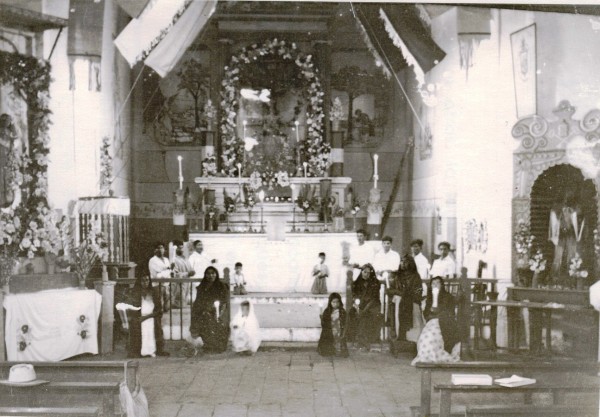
(101, 394)
(532, 411)
(557, 390)
(530, 369)
(85, 371)
(49, 411)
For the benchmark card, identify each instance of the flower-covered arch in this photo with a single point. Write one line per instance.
(314, 149)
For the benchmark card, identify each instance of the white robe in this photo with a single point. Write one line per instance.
(148, 339)
(245, 332)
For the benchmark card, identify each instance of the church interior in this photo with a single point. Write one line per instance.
(352, 181)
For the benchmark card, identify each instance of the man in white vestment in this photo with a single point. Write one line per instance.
(361, 253)
(199, 260)
(423, 266)
(386, 261)
(160, 267)
(444, 266)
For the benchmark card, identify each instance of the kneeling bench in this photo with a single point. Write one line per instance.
(49, 411)
(557, 390)
(532, 411)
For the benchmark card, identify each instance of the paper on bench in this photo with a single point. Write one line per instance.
(471, 379)
(515, 381)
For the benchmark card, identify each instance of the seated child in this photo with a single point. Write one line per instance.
(320, 272)
(238, 280)
(245, 330)
(333, 328)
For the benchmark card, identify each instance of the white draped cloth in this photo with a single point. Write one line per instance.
(51, 325)
(245, 331)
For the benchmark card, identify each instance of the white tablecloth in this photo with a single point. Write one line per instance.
(51, 325)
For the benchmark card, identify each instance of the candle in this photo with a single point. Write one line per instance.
(375, 173)
(239, 167)
(305, 169)
(244, 123)
(179, 159)
(217, 304)
(297, 131)
(375, 158)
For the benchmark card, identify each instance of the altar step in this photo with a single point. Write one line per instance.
(283, 317)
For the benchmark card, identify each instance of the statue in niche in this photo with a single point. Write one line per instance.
(565, 232)
(10, 147)
(374, 208)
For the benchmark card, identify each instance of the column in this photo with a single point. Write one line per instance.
(107, 317)
(337, 154)
(220, 56)
(323, 61)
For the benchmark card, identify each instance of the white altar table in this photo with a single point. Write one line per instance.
(280, 266)
(51, 325)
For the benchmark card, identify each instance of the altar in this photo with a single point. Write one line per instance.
(280, 266)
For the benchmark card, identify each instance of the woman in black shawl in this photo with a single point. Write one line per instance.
(365, 314)
(333, 328)
(210, 320)
(439, 340)
(142, 289)
(409, 288)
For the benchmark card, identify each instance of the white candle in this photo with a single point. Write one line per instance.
(217, 305)
(244, 123)
(305, 169)
(297, 131)
(293, 187)
(179, 159)
(375, 173)
(239, 167)
(375, 158)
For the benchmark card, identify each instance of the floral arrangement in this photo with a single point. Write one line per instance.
(84, 326)
(523, 240)
(336, 112)
(337, 211)
(229, 202)
(92, 249)
(575, 270)
(537, 263)
(23, 337)
(250, 202)
(269, 179)
(314, 145)
(209, 166)
(210, 111)
(106, 170)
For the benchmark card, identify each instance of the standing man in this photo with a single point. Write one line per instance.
(159, 267)
(199, 261)
(423, 266)
(387, 261)
(361, 253)
(182, 269)
(444, 266)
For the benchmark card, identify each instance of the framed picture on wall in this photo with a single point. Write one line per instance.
(524, 57)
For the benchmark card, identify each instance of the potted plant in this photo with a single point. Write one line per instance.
(336, 114)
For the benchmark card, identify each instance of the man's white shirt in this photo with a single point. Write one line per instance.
(423, 266)
(159, 268)
(443, 267)
(361, 255)
(389, 261)
(199, 263)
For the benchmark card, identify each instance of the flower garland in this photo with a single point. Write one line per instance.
(315, 150)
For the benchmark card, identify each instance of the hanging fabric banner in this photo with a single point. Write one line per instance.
(473, 26)
(85, 39)
(171, 48)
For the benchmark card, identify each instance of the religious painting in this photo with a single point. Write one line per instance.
(524, 55)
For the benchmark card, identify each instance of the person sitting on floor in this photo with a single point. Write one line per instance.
(145, 329)
(320, 273)
(439, 341)
(239, 281)
(245, 330)
(208, 312)
(333, 328)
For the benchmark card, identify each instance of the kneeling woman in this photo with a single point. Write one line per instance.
(210, 318)
(333, 328)
(145, 331)
(245, 330)
(439, 340)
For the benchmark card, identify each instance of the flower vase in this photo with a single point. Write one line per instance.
(535, 281)
(104, 273)
(82, 284)
(335, 125)
(50, 259)
(306, 221)
(338, 224)
(581, 281)
(354, 222)
(525, 277)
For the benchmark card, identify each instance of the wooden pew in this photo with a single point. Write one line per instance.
(532, 411)
(49, 411)
(85, 371)
(100, 394)
(557, 390)
(531, 368)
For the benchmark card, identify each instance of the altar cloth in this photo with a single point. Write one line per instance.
(51, 325)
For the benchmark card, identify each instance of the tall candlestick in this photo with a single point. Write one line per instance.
(375, 158)
(239, 167)
(244, 124)
(297, 123)
(305, 169)
(179, 159)
(375, 173)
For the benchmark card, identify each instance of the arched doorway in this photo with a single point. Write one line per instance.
(549, 189)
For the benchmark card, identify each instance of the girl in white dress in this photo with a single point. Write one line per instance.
(245, 330)
(148, 338)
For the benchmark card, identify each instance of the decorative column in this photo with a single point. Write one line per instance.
(107, 318)
(323, 61)
(219, 57)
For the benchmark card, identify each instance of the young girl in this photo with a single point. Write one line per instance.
(333, 325)
(245, 330)
(320, 273)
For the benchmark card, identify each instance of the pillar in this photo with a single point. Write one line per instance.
(220, 56)
(337, 154)
(323, 63)
(107, 318)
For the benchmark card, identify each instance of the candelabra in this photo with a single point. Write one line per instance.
(294, 216)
